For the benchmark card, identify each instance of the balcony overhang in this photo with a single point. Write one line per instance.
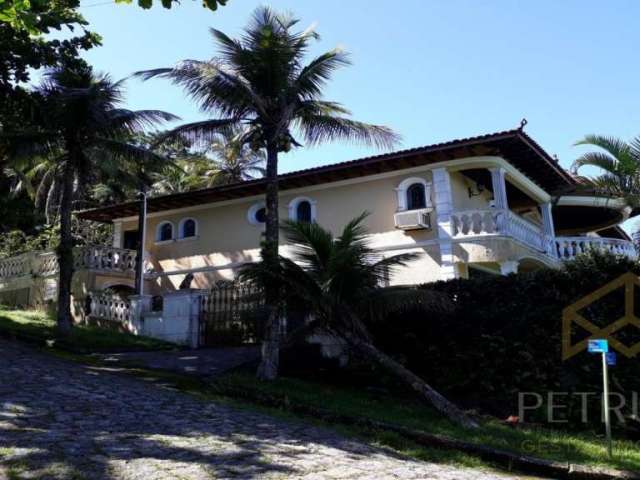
(577, 214)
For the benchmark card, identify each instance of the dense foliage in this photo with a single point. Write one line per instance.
(504, 336)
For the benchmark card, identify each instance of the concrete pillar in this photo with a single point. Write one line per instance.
(117, 235)
(140, 304)
(509, 267)
(181, 317)
(548, 228)
(499, 186)
(443, 209)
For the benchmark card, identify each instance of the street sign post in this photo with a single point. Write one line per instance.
(601, 346)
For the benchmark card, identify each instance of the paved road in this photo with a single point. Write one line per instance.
(204, 362)
(61, 420)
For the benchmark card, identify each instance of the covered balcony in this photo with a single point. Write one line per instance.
(548, 230)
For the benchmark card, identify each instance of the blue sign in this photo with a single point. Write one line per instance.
(612, 359)
(598, 346)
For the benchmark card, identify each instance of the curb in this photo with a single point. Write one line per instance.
(509, 459)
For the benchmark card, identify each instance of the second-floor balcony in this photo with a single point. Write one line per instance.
(44, 264)
(491, 222)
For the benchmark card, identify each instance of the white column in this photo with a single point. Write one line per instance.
(117, 235)
(547, 219)
(548, 228)
(499, 186)
(508, 267)
(443, 208)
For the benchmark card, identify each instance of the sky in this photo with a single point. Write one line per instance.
(431, 70)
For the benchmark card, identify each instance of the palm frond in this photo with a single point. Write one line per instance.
(596, 159)
(316, 73)
(198, 134)
(614, 146)
(318, 128)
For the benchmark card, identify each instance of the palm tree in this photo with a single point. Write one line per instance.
(339, 280)
(81, 129)
(233, 159)
(620, 163)
(260, 82)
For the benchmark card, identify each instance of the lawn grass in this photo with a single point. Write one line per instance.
(581, 448)
(37, 327)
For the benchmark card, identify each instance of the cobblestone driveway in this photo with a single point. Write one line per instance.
(63, 420)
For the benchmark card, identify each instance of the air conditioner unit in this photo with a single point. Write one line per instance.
(413, 219)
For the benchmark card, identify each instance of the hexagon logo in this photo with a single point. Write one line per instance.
(571, 315)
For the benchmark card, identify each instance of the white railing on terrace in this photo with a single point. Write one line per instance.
(498, 222)
(104, 306)
(568, 247)
(15, 266)
(43, 264)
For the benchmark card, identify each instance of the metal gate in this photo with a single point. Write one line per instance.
(232, 314)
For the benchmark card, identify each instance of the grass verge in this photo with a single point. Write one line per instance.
(568, 447)
(38, 328)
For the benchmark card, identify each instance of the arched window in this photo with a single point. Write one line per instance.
(414, 193)
(261, 215)
(257, 214)
(164, 232)
(303, 212)
(188, 228)
(415, 197)
(302, 209)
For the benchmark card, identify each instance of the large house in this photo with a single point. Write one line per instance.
(496, 203)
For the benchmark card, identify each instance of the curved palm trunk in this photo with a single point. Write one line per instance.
(268, 368)
(65, 253)
(416, 383)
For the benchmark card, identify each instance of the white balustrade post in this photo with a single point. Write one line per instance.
(499, 185)
(444, 207)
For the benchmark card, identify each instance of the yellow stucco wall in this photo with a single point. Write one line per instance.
(226, 237)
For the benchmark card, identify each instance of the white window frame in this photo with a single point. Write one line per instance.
(293, 208)
(403, 186)
(251, 214)
(159, 227)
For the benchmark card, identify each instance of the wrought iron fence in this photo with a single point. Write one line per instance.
(232, 313)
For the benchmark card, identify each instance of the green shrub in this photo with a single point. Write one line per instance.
(504, 336)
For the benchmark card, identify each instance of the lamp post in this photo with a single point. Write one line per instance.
(142, 226)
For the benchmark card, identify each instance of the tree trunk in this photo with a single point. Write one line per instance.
(416, 383)
(268, 368)
(65, 252)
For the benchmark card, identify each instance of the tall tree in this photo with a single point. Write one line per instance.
(81, 125)
(339, 281)
(233, 160)
(619, 162)
(23, 26)
(261, 82)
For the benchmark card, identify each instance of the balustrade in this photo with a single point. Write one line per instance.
(44, 264)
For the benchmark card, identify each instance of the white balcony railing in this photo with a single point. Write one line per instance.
(568, 247)
(43, 264)
(498, 222)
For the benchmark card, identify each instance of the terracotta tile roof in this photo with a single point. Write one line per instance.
(514, 145)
